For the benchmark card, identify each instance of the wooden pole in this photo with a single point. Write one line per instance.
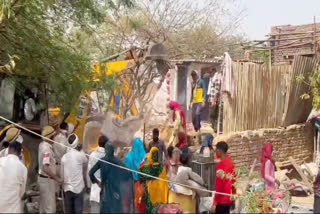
(302, 175)
(219, 113)
(62, 199)
(317, 144)
(270, 60)
(314, 35)
(113, 56)
(292, 33)
(251, 171)
(144, 133)
(292, 38)
(246, 185)
(315, 139)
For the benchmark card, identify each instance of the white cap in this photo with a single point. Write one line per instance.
(75, 143)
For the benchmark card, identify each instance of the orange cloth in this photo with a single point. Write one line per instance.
(139, 193)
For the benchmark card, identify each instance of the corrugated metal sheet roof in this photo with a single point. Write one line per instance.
(210, 61)
(251, 61)
(204, 61)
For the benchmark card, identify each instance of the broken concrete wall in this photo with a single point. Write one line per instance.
(295, 141)
(158, 111)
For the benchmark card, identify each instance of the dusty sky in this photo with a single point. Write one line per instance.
(262, 14)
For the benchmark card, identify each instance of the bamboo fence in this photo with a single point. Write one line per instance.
(268, 98)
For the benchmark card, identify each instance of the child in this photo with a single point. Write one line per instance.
(224, 180)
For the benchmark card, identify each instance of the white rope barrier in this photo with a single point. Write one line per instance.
(121, 167)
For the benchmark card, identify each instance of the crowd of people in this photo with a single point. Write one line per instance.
(64, 166)
(146, 181)
(138, 184)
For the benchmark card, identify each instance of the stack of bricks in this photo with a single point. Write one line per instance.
(291, 40)
(295, 141)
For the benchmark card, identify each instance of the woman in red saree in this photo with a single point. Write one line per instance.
(178, 138)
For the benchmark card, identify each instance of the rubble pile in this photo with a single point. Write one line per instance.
(252, 196)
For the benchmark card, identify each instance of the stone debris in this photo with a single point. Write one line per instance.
(281, 175)
(121, 133)
(310, 167)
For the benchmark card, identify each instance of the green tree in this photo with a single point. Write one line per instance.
(187, 28)
(37, 44)
(315, 84)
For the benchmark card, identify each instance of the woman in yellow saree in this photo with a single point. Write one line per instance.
(156, 191)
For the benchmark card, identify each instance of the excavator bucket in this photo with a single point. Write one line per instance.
(92, 132)
(157, 53)
(121, 133)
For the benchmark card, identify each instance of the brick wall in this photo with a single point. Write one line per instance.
(292, 41)
(295, 141)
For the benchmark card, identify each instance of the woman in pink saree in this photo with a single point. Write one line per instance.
(267, 167)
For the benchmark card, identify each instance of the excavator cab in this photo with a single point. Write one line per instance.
(24, 106)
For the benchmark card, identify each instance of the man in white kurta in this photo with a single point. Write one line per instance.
(13, 179)
(73, 164)
(95, 189)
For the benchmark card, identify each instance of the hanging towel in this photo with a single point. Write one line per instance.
(228, 84)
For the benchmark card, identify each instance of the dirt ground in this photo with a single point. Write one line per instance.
(302, 204)
(298, 204)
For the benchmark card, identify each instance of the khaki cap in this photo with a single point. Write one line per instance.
(12, 134)
(48, 131)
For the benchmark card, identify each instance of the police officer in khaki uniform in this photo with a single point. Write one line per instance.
(13, 134)
(47, 173)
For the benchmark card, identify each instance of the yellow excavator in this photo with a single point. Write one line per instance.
(88, 124)
(81, 113)
(88, 128)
